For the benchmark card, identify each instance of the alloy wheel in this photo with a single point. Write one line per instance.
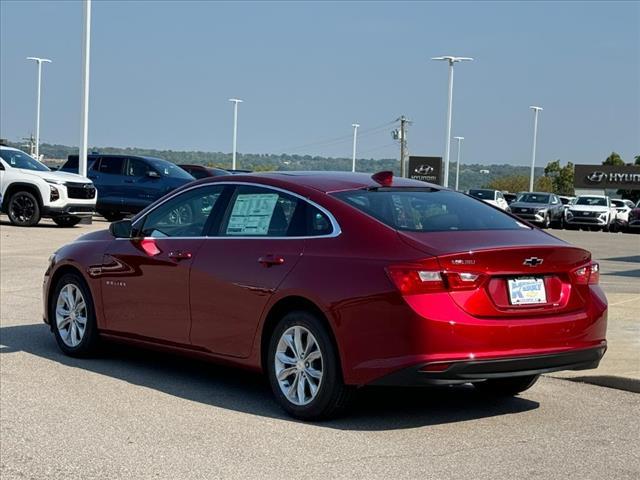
(22, 208)
(71, 315)
(299, 365)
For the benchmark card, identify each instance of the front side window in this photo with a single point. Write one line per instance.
(426, 210)
(18, 159)
(168, 169)
(185, 215)
(137, 168)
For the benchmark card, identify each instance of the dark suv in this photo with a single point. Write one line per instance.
(126, 183)
(544, 209)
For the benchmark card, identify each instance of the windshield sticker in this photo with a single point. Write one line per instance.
(252, 214)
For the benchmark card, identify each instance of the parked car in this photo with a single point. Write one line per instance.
(634, 219)
(492, 197)
(510, 197)
(30, 191)
(400, 283)
(200, 171)
(622, 207)
(544, 209)
(566, 199)
(590, 211)
(126, 184)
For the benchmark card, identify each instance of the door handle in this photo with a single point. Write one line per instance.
(180, 255)
(270, 260)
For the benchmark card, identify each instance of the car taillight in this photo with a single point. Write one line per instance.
(587, 275)
(429, 278)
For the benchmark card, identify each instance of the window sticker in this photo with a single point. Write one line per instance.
(251, 214)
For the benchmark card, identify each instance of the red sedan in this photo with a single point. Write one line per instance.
(331, 281)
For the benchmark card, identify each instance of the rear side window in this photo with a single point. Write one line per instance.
(421, 210)
(111, 165)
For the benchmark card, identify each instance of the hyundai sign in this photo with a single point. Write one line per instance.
(625, 177)
(427, 169)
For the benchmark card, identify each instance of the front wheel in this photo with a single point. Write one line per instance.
(66, 221)
(506, 387)
(546, 222)
(23, 209)
(72, 317)
(112, 216)
(304, 368)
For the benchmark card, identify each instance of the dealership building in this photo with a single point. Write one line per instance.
(605, 179)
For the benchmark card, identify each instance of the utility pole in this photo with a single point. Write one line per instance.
(459, 139)
(84, 113)
(355, 139)
(39, 61)
(536, 111)
(402, 136)
(235, 102)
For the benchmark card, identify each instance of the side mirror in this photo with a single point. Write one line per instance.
(153, 174)
(121, 229)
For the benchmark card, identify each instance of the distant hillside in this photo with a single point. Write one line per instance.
(470, 176)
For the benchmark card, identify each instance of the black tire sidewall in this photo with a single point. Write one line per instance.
(332, 375)
(88, 343)
(36, 214)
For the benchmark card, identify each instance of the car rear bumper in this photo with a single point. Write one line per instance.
(442, 373)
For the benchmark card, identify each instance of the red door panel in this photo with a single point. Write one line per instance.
(145, 291)
(231, 282)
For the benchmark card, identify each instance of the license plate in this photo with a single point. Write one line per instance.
(527, 291)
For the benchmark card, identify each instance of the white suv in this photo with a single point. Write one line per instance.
(590, 211)
(30, 191)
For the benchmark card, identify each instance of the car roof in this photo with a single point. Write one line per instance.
(326, 182)
(5, 147)
(589, 195)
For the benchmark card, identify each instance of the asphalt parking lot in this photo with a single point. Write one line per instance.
(136, 414)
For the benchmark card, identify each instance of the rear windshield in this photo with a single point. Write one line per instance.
(483, 194)
(592, 201)
(423, 210)
(533, 198)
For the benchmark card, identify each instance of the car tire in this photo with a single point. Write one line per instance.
(23, 209)
(506, 387)
(310, 359)
(547, 221)
(112, 216)
(72, 316)
(66, 221)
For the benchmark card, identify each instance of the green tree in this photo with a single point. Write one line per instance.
(613, 159)
(637, 158)
(561, 177)
(520, 183)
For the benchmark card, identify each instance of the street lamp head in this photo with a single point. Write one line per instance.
(535, 109)
(235, 100)
(355, 125)
(39, 60)
(458, 138)
(451, 59)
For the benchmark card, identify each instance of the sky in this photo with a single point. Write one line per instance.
(162, 73)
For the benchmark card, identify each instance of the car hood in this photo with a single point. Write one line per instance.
(56, 176)
(529, 205)
(588, 208)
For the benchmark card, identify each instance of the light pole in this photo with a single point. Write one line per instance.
(459, 139)
(355, 137)
(536, 111)
(447, 145)
(39, 61)
(235, 101)
(84, 113)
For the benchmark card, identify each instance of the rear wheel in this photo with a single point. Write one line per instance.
(506, 387)
(72, 317)
(23, 209)
(66, 220)
(304, 368)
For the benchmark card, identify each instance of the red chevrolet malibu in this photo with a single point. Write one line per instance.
(331, 281)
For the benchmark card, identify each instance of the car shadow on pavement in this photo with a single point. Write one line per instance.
(373, 409)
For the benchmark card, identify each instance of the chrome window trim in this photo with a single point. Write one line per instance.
(335, 226)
